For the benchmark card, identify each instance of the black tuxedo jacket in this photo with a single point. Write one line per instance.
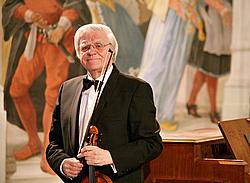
(125, 118)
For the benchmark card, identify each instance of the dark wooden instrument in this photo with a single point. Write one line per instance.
(95, 176)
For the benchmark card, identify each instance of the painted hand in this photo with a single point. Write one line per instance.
(38, 20)
(56, 35)
(227, 18)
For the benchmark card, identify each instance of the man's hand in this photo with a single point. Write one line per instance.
(56, 35)
(72, 167)
(95, 156)
(38, 20)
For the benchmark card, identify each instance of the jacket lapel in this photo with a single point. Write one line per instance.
(73, 118)
(106, 94)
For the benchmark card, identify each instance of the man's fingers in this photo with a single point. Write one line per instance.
(75, 163)
(72, 167)
(95, 156)
(71, 173)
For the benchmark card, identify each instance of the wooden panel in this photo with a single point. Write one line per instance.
(175, 161)
(184, 181)
(183, 162)
(230, 171)
(234, 132)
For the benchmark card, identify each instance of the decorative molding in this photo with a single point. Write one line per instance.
(3, 124)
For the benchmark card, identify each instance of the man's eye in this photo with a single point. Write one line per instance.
(98, 45)
(84, 48)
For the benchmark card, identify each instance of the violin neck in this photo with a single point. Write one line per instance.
(92, 174)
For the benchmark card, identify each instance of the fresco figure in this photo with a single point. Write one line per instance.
(212, 56)
(167, 47)
(38, 28)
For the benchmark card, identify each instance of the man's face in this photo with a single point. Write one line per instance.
(93, 49)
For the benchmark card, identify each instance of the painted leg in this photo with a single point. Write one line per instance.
(25, 74)
(57, 67)
(27, 114)
(47, 119)
(199, 80)
(212, 91)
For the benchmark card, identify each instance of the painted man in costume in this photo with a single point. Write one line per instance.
(32, 52)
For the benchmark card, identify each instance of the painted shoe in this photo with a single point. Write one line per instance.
(215, 117)
(192, 110)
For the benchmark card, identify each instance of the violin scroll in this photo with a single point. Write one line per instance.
(93, 135)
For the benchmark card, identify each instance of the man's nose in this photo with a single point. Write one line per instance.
(91, 50)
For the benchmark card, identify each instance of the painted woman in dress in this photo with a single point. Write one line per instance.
(212, 57)
(166, 51)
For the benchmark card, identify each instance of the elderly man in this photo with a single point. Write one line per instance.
(121, 108)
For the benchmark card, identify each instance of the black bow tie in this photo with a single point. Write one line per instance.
(88, 83)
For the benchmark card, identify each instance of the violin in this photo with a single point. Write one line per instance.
(95, 176)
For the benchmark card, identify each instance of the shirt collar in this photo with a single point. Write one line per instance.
(101, 77)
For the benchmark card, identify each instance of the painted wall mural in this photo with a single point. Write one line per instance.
(158, 24)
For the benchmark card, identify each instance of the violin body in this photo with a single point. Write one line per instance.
(99, 178)
(95, 176)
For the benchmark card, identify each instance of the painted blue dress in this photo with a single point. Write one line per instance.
(166, 51)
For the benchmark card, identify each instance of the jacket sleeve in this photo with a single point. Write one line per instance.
(145, 142)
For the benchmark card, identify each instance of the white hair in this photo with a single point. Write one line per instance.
(91, 28)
